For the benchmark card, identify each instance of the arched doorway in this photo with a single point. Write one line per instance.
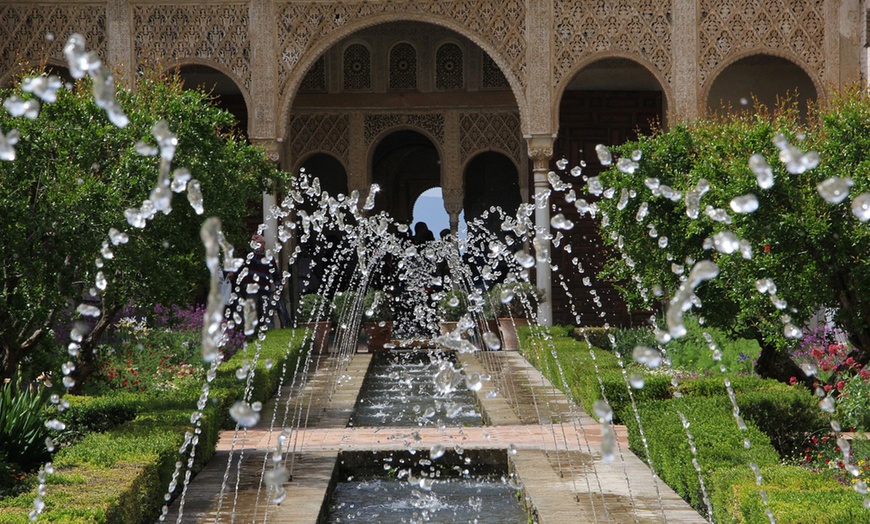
(491, 179)
(405, 164)
(226, 93)
(610, 102)
(761, 79)
(330, 171)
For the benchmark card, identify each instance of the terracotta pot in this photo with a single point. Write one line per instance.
(377, 335)
(319, 335)
(507, 328)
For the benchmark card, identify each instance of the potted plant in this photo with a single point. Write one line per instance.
(451, 306)
(314, 312)
(377, 319)
(513, 303)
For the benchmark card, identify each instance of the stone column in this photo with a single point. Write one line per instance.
(685, 105)
(270, 200)
(120, 41)
(263, 115)
(453, 199)
(452, 190)
(541, 151)
(358, 177)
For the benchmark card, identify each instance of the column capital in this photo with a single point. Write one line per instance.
(271, 146)
(453, 199)
(540, 151)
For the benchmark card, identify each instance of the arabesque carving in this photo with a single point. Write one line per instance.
(34, 32)
(321, 132)
(217, 33)
(486, 131)
(729, 27)
(637, 27)
(433, 123)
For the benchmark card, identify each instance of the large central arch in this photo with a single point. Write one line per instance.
(305, 62)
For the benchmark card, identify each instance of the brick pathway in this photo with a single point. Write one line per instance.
(555, 450)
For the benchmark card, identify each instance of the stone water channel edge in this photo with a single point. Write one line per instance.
(556, 458)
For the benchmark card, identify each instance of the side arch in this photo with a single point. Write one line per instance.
(760, 52)
(562, 87)
(372, 147)
(175, 65)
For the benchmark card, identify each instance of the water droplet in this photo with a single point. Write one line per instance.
(762, 170)
(861, 207)
(835, 189)
(88, 310)
(18, 107)
(576, 171)
(45, 87)
(524, 259)
(627, 166)
(647, 356)
(560, 222)
(55, 425)
(180, 178)
(726, 242)
(828, 404)
(604, 155)
(792, 331)
(562, 163)
(492, 341)
(636, 380)
(7, 152)
(242, 413)
(194, 196)
(145, 149)
(744, 203)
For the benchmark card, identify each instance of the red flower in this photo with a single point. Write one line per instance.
(817, 353)
(833, 349)
(828, 387)
(840, 385)
(767, 249)
(865, 374)
(792, 381)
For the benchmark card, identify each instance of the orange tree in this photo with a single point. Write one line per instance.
(75, 175)
(815, 252)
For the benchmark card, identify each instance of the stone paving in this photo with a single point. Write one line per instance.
(555, 450)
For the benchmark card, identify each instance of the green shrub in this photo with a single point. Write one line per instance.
(795, 496)
(788, 417)
(314, 308)
(95, 414)
(853, 405)
(595, 336)
(718, 441)
(449, 312)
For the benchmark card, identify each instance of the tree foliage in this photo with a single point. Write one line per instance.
(74, 176)
(814, 251)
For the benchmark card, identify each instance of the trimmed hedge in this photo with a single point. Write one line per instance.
(795, 496)
(120, 475)
(718, 441)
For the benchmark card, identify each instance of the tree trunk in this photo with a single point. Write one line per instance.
(87, 362)
(779, 366)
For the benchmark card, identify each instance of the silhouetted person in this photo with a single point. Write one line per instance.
(422, 234)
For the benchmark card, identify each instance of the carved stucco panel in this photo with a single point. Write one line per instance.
(35, 32)
(432, 123)
(642, 28)
(217, 33)
(731, 27)
(328, 133)
(491, 131)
